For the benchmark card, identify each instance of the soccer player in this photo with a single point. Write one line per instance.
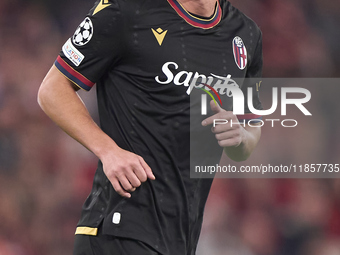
(146, 57)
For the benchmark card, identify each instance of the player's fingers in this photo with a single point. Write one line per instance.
(221, 118)
(221, 128)
(118, 188)
(147, 169)
(230, 142)
(215, 107)
(140, 173)
(124, 182)
(209, 120)
(217, 119)
(133, 179)
(227, 135)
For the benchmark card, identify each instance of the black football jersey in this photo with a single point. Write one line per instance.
(146, 59)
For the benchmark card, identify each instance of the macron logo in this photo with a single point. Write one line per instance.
(159, 34)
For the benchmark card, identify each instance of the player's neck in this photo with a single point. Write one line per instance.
(203, 8)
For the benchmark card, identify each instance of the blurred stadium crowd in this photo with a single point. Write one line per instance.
(45, 176)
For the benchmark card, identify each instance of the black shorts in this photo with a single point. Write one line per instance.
(110, 245)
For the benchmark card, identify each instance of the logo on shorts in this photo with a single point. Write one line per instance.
(83, 33)
(240, 52)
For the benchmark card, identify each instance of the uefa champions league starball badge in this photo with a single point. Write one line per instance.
(83, 33)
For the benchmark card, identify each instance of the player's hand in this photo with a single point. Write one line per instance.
(227, 135)
(126, 171)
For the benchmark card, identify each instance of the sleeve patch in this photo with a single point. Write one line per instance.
(83, 33)
(72, 53)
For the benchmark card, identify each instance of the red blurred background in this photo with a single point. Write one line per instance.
(45, 175)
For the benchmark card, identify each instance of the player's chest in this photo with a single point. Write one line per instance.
(154, 41)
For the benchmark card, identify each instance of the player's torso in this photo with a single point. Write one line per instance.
(167, 50)
(144, 106)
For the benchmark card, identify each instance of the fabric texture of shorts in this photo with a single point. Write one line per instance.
(110, 245)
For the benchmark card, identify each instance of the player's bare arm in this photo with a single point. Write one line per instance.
(238, 141)
(58, 98)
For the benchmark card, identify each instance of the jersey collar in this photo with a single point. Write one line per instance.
(195, 21)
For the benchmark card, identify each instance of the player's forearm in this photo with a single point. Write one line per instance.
(251, 136)
(62, 104)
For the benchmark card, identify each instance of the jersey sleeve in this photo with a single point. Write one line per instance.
(253, 80)
(95, 46)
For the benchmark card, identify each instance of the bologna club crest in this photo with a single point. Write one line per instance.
(240, 53)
